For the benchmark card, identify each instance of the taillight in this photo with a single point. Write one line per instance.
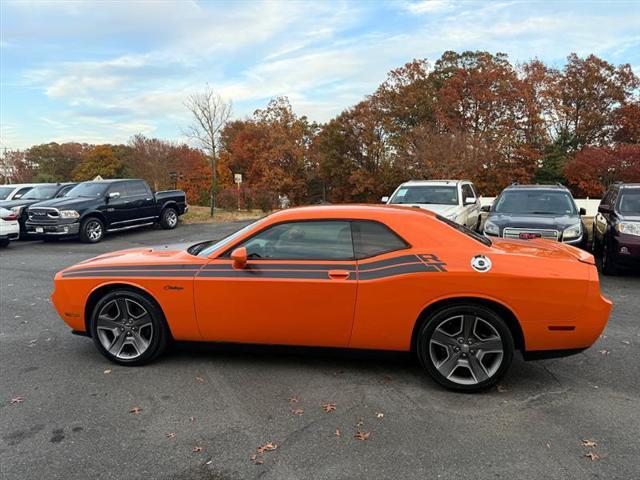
(9, 218)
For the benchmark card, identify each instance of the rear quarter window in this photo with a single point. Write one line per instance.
(373, 238)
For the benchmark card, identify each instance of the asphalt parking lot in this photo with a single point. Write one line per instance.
(205, 409)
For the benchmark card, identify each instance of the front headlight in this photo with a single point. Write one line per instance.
(491, 228)
(629, 228)
(17, 210)
(69, 214)
(572, 232)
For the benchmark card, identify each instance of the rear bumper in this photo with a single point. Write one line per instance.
(10, 236)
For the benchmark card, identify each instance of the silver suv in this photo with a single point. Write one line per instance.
(454, 199)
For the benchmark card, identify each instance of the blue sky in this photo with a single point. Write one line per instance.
(104, 71)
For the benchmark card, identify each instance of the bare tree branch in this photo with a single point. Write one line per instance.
(210, 113)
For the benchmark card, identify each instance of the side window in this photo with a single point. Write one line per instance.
(311, 240)
(373, 238)
(21, 192)
(136, 189)
(606, 200)
(467, 192)
(117, 188)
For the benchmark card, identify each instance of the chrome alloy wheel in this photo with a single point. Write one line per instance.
(172, 218)
(466, 349)
(124, 328)
(94, 230)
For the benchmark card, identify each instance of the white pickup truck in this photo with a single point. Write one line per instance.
(454, 199)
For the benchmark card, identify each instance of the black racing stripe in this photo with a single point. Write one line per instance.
(131, 273)
(282, 266)
(117, 268)
(398, 270)
(267, 274)
(389, 262)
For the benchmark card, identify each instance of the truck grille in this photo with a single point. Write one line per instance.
(543, 233)
(45, 216)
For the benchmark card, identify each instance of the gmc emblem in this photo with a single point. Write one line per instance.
(529, 235)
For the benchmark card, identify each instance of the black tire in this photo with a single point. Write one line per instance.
(169, 218)
(92, 230)
(4, 242)
(596, 248)
(428, 348)
(608, 261)
(157, 341)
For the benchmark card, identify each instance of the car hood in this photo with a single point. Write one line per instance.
(67, 202)
(553, 222)
(8, 204)
(542, 248)
(173, 255)
(444, 210)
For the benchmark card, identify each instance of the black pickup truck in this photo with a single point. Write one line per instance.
(91, 209)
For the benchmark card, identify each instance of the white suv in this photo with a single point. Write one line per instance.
(454, 199)
(9, 228)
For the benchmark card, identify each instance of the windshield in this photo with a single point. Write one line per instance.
(5, 191)
(629, 201)
(42, 192)
(426, 194)
(535, 202)
(88, 189)
(205, 249)
(467, 231)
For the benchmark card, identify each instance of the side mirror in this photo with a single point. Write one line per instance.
(239, 257)
(604, 209)
(583, 211)
(485, 208)
(113, 195)
(469, 200)
(384, 199)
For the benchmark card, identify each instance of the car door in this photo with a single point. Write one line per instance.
(141, 207)
(471, 211)
(117, 205)
(298, 287)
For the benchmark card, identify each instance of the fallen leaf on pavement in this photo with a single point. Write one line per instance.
(135, 410)
(387, 379)
(592, 455)
(360, 423)
(199, 379)
(362, 436)
(329, 407)
(337, 434)
(197, 449)
(258, 457)
(379, 415)
(502, 388)
(626, 342)
(294, 399)
(170, 435)
(17, 400)
(107, 371)
(604, 352)
(589, 443)
(191, 419)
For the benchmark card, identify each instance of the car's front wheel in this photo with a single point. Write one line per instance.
(128, 328)
(465, 347)
(91, 230)
(608, 260)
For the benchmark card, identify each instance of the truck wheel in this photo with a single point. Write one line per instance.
(91, 230)
(4, 242)
(169, 218)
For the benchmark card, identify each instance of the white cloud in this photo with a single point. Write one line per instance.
(427, 6)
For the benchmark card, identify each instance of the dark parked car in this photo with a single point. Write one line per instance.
(39, 193)
(91, 209)
(537, 211)
(616, 228)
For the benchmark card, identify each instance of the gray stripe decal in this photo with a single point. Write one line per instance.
(281, 266)
(131, 273)
(318, 275)
(390, 262)
(117, 268)
(399, 270)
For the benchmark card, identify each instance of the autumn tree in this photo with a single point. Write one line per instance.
(15, 167)
(56, 162)
(99, 160)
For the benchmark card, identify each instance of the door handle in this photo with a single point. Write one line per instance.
(339, 274)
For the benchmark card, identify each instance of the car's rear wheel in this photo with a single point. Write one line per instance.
(465, 347)
(128, 328)
(4, 242)
(169, 218)
(91, 230)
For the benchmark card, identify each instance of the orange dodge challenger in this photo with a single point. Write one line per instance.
(369, 277)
